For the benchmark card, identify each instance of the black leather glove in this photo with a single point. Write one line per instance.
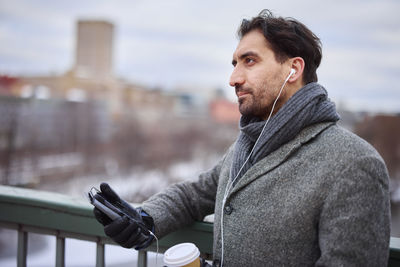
(131, 229)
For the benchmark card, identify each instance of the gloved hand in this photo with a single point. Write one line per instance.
(131, 229)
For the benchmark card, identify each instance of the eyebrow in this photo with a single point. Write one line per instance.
(243, 56)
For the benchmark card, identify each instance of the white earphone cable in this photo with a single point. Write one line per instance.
(230, 184)
(157, 252)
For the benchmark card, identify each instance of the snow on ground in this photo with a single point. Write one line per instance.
(139, 184)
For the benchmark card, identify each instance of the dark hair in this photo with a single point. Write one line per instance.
(287, 38)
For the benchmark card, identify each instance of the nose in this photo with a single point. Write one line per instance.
(237, 77)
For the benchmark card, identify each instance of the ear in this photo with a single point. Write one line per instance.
(298, 64)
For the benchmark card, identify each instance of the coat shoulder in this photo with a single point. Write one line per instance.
(341, 142)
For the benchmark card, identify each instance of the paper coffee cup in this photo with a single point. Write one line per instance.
(182, 255)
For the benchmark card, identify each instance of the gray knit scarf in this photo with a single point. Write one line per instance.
(309, 105)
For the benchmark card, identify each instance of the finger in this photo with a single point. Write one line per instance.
(101, 217)
(143, 237)
(132, 212)
(138, 241)
(108, 192)
(131, 233)
(116, 226)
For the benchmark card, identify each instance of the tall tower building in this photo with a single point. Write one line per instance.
(94, 49)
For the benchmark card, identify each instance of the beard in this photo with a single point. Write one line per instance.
(249, 106)
(256, 103)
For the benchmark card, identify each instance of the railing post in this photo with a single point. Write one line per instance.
(22, 247)
(100, 254)
(142, 258)
(60, 251)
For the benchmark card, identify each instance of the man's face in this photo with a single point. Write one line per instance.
(257, 76)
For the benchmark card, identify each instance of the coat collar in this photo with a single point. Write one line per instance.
(278, 156)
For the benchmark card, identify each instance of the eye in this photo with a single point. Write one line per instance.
(234, 62)
(249, 61)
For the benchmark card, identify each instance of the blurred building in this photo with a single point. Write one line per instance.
(94, 49)
(91, 77)
(9, 86)
(224, 111)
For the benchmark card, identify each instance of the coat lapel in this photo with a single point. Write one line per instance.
(278, 156)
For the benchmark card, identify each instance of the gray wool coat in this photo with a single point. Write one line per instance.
(321, 199)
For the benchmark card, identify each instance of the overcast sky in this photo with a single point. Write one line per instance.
(182, 42)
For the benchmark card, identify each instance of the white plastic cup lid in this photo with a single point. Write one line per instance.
(181, 254)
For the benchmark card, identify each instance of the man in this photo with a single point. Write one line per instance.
(295, 189)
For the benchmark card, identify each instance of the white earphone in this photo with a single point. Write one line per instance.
(292, 71)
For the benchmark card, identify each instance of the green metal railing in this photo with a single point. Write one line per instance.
(26, 210)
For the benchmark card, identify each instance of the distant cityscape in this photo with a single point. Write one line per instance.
(92, 79)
